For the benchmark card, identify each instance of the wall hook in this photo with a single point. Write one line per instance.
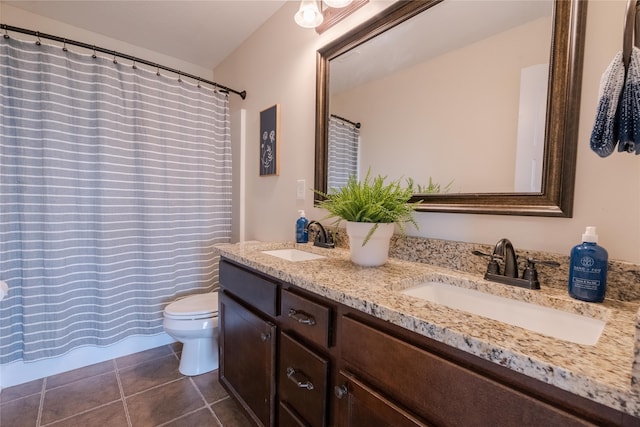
(631, 37)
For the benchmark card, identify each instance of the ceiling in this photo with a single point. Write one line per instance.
(200, 32)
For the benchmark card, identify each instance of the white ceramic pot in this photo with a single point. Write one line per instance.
(376, 251)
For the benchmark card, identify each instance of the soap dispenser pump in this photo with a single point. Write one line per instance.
(302, 232)
(588, 269)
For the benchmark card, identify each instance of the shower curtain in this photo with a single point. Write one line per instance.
(115, 183)
(343, 140)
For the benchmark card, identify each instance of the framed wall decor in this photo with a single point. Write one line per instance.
(269, 141)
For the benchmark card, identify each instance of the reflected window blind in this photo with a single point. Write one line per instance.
(115, 184)
(343, 141)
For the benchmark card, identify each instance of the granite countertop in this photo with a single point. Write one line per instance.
(602, 373)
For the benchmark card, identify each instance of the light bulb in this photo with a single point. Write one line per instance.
(337, 4)
(308, 16)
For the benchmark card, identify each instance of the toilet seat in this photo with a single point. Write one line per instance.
(193, 307)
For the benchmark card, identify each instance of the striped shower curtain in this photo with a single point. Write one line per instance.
(115, 183)
(343, 141)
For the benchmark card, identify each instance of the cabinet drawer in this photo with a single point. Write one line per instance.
(303, 381)
(259, 291)
(433, 387)
(287, 417)
(308, 318)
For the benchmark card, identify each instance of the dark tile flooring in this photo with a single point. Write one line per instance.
(140, 390)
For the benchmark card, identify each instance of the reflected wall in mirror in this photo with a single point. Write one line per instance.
(465, 102)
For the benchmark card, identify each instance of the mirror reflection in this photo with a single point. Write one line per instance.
(466, 111)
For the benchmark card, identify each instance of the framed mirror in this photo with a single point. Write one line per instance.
(516, 159)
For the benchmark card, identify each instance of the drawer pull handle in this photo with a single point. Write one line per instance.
(299, 379)
(340, 391)
(302, 318)
(265, 337)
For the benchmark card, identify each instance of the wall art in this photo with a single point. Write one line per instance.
(269, 140)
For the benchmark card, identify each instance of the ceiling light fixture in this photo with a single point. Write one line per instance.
(337, 4)
(310, 15)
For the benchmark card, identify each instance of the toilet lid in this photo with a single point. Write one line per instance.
(194, 305)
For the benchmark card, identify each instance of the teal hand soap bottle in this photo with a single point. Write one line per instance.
(588, 269)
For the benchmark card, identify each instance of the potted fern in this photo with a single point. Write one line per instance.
(370, 208)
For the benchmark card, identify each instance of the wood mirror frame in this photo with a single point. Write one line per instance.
(561, 132)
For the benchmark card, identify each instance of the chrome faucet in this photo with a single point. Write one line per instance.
(324, 238)
(504, 251)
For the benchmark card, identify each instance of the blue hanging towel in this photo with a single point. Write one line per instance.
(604, 136)
(629, 134)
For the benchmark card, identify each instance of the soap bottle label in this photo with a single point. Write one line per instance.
(586, 274)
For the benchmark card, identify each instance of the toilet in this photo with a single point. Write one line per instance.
(193, 321)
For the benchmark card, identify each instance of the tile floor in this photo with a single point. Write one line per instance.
(140, 390)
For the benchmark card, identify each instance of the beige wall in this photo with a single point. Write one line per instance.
(277, 65)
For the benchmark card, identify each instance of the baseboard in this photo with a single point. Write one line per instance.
(21, 372)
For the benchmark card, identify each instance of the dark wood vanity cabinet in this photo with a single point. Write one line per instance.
(292, 358)
(281, 338)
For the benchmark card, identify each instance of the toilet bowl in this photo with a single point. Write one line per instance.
(193, 321)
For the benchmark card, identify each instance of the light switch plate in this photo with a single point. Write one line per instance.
(300, 189)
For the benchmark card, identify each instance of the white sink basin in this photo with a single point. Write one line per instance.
(544, 320)
(293, 254)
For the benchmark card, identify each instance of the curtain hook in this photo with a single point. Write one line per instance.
(157, 70)
(115, 61)
(6, 33)
(94, 56)
(179, 76)
(64, 45)
(199, 83)
(134, 65)
(38, 43)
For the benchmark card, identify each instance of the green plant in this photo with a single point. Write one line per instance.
(371, 200)
(432, 187)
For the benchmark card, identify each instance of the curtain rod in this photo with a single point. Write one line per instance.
(357, 125)
(7, 28)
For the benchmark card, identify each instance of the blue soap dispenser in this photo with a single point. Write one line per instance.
(588, 269)
(302, 234)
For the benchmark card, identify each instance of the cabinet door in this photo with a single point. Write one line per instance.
(247, 359)
(360, 405)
